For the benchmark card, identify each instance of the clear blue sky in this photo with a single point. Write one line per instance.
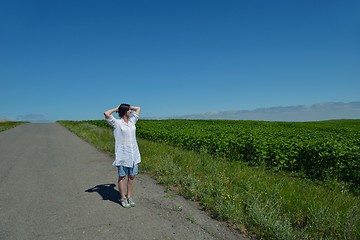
(75, 59)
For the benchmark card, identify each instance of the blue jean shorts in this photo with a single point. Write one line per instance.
(123, 171)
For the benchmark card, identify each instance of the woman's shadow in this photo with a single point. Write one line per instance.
(106, 191)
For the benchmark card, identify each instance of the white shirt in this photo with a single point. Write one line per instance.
(126, 148)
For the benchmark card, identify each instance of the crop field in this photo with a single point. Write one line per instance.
(279, 180)
(327, 150)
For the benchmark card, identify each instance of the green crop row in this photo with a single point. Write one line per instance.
(317, 150)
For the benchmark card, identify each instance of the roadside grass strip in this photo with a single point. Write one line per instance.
(272, 205)
(5, 125)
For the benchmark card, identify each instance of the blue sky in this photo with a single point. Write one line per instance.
(75, 59)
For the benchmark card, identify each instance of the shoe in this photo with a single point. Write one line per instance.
(124, 203)
(131, 202)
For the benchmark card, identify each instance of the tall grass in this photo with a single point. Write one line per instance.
(271, 205)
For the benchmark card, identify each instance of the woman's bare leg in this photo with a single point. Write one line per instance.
(121, 185)
(130, 185)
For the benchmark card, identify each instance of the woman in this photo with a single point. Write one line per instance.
(127, 155)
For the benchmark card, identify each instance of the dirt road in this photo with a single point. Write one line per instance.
(53, 185)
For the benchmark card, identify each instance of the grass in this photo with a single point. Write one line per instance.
(5, 125)
(271, 205)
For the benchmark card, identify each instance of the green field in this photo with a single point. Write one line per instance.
(275, 179)
(328, 150)
(5, 125)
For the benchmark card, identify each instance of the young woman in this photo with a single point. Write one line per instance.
(127, 155)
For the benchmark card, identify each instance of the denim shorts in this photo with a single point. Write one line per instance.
(123, 171)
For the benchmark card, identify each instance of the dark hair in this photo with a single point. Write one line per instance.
(123, 108)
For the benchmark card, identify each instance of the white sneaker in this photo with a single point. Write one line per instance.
(124, 203)
(131, 202)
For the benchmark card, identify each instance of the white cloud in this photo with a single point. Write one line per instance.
(316, 112)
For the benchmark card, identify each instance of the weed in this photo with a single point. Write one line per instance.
(191, 219)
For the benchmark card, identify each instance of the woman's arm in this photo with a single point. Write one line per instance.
(136, 109)
(109, 112)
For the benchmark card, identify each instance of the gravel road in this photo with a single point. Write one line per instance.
(53, 185)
